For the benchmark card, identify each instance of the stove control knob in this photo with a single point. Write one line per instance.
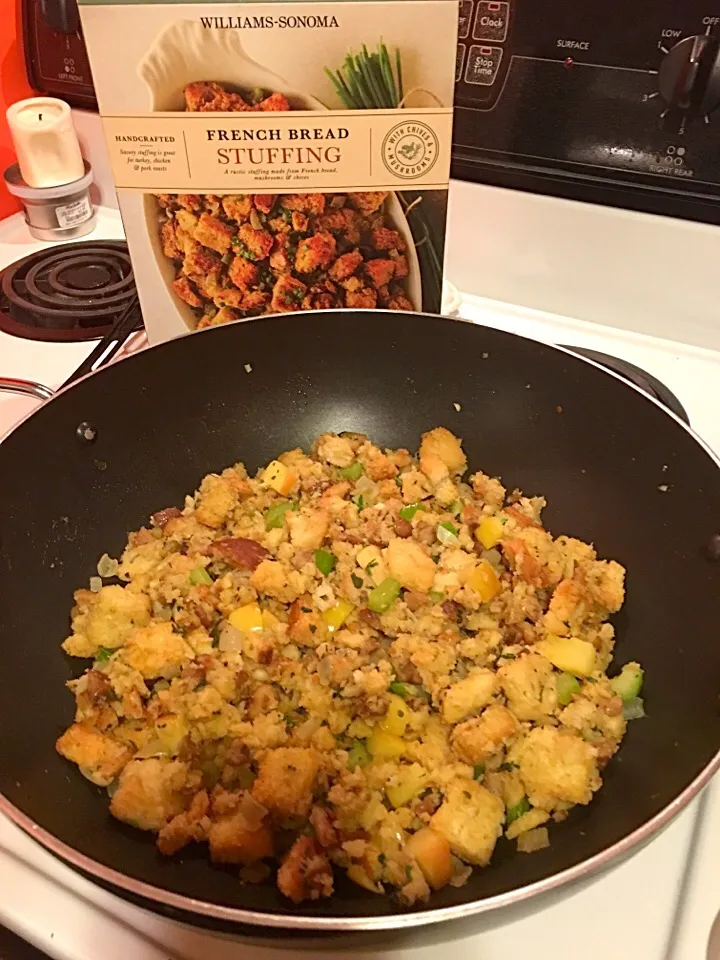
(689, 76)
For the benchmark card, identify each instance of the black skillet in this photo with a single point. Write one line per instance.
(616, 468)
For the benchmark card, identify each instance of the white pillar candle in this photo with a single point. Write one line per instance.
(46, 144)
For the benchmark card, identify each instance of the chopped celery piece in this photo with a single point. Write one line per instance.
(325, 561)
(275, 515)
(567, 686)
(103, 654)
(628, 682)
(358, 755)
(435, 596)
(517, 810)
(478, 771)
(384, 595)
(199, 575)
(403, 689)
(353, 472)
(408, 512)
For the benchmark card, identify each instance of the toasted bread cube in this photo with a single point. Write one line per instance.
(99, 756)
(215, 500)
(213, 233)
(478, 739)
(150, 793)
(410, 565)
(275, 579)
(156, 651)
(556, 767)
(468, 695)
(529, 685)
(471, 820)
(308, 528)
(232, 842)
(105, 619)
(445, 445)
(286, 780)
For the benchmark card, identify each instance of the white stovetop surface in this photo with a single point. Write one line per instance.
(660, 905)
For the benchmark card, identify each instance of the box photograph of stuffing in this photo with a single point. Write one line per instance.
(240, 201)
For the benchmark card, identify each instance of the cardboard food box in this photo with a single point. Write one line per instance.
(281, 156)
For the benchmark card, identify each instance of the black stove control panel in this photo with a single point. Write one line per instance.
(616, 93)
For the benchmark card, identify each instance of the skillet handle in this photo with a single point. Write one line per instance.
(26, 388)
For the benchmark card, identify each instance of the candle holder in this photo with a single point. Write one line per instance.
(62, 212)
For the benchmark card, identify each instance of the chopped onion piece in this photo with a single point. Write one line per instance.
(251, 811)
(368, 488)
(634, 709)
(533, 840)
(446, 536)
(325, 672)
(95, 584)
(230, 639)
(261, 675)
(107, 567)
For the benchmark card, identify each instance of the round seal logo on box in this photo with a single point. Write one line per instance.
(410, 149)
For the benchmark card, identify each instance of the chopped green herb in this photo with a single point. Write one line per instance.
(369, 567)
(358, 755)
(242, 249)
(353, 472)
(295, 295)
(398, 482)
(382, 859)
(275, 515)
(507, 767)
(199, 575)
(435, 596)
(449, 526)
(359, 501)
(408, 512)
(357, 581)
(325, 561)
(313, 628)
(384, 595)
(517, 810)
(103, 654)
(478, 771)
(306, 609)
(507, 656)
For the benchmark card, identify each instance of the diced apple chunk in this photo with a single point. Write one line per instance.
(279, 477)
(572, 654)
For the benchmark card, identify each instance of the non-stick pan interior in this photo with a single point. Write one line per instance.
(615, 470)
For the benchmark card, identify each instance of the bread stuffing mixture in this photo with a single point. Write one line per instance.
(356, 660)
(245, 255)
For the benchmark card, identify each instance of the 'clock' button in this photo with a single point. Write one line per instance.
(491, 20)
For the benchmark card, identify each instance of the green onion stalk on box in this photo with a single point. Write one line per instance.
(370, 81)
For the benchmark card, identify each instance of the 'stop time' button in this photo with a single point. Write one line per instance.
(482, 65)
(491, 20)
